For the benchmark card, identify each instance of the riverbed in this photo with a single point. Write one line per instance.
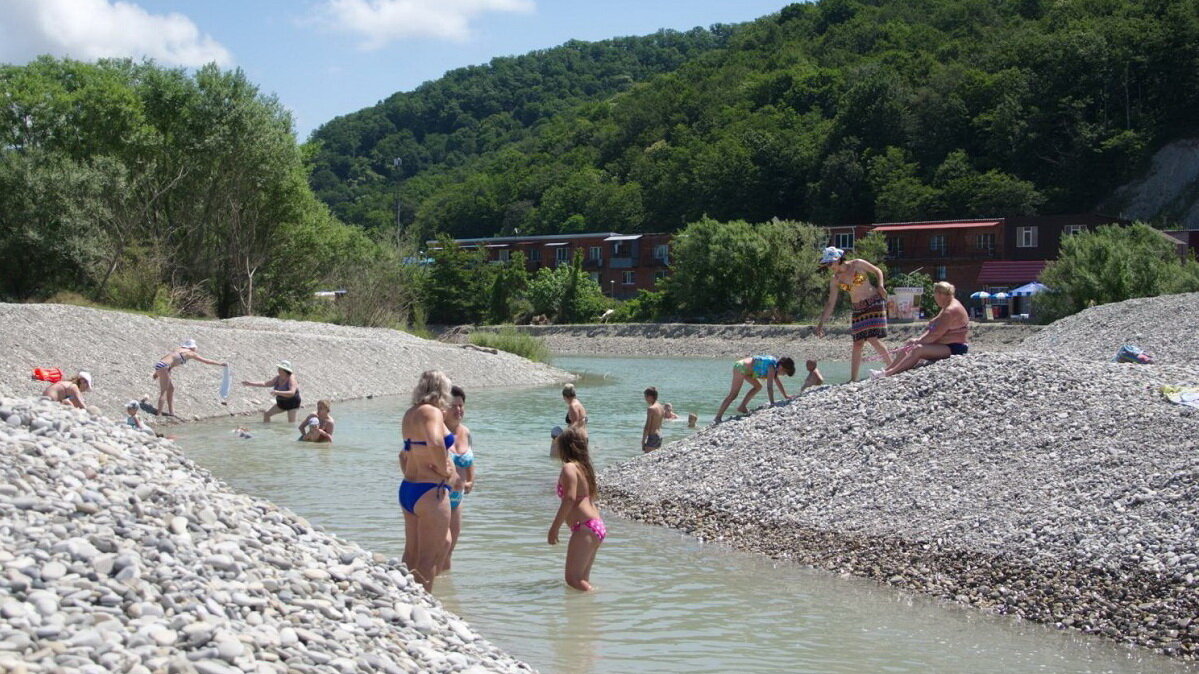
(665, 602)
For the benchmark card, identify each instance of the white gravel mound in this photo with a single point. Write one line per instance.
(330, 361)
(1062, 490)
(117, 554)
(1166, 326)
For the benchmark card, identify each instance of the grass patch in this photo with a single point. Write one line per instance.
(519, 343)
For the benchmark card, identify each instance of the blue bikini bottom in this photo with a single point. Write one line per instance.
(410, 492)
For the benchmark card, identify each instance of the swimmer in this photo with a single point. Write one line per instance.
(463, 456)
(70, 391)
(428, 473)
(668, 413)
(814, 377)
(577, 490)
(318, 427)
(651, 435)
(286, 389)
(576, 416)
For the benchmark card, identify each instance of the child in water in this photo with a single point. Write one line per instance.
(577, 490)
(318, 427)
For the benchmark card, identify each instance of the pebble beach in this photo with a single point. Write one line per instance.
(1044, 482)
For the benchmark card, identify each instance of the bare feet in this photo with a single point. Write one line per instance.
(742, 410)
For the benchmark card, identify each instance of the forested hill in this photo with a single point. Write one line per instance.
(478, 109)
(835, 111)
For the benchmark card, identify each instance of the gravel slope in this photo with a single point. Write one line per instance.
(1166, 326)
(331, 361)
(117, 554)
(1062, 489)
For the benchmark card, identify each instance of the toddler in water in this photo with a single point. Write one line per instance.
(814, 377)
(135, 421)
(577, 490)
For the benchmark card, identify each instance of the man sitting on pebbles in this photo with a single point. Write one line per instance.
(70, 391)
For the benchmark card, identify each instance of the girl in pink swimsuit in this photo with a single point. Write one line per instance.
(577, 489)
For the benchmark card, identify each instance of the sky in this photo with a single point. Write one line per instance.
(325, 58)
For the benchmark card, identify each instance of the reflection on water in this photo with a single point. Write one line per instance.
(666, 602)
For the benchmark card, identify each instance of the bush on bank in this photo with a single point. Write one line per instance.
(519, 343)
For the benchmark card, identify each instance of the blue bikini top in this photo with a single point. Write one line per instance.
(449, 442)
(463, 460)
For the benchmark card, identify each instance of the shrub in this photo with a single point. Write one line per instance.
(508, 339)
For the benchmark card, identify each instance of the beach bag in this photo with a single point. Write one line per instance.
(50, 374)
(1132, 354)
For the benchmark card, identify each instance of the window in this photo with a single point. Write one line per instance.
(659, 275)
(985, 242)
(1073, 229)
(620, 249)
(628, 278)
(1026, 237)
(595, 276)
(937, 244)
(593, 253)
(562, 255)
(895, 246)
(504, 255)
(662, 252)
(843, 240)
(940, 273)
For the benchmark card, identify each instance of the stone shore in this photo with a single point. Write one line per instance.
(733, 341)
(118, 554)
(1045, 482)
(331, 361)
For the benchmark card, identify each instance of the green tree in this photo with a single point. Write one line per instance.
(549, 292)
(455, 288)
(1112, 264)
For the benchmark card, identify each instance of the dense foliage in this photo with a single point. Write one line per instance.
(153, 189)
(829, 112)
(481, 109)
(1113, 264)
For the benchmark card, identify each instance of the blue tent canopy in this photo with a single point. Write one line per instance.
(1028, 289)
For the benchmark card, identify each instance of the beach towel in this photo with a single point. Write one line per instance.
(1181, 394)
(1132, 354)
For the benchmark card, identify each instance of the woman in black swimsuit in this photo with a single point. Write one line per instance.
(286, 389)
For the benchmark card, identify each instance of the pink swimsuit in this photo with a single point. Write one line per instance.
(596, 525)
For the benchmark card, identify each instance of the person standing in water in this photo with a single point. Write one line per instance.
(869, 304)
(178, 357)
(70, 391)
(428, 472)
(463, 456)
(318, 427)
(651, 435)
(286, 389)
(576, 416)
(577, 491)
(750, 370)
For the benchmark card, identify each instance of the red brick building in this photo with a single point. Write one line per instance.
(621, 264)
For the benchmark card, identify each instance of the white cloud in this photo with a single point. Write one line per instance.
(381, 21)
(93, 29)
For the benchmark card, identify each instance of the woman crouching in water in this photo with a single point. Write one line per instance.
(428, 471)
(577, 490)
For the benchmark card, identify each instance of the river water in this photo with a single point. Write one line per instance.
(665, 602)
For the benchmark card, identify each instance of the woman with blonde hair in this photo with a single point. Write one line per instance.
(576, 417)
(428, 474)
(947, 335)
(577, 490)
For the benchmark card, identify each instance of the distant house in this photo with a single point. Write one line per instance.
(621, 264)
(990, 254)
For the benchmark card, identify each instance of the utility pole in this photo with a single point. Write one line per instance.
(398, 165)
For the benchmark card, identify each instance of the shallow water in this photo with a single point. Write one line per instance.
(665, 603)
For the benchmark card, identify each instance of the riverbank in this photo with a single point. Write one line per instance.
(331, 361)
(739, 340)
(120, 554)
(1048, 485)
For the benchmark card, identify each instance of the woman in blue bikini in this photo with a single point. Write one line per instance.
(428, 473)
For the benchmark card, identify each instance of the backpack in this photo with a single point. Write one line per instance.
(1132, 354)
(50, 374)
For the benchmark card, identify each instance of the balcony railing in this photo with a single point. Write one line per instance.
(593, 263)
(957, 252)
(621, 263)
(660, 262)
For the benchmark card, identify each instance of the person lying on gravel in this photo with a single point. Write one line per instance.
(70, 391)
(947, 334)
(750, 370)
(178, 357)
(318, 427)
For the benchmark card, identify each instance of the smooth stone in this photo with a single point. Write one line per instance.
(229, 648)
(178, 525)
(163, 636)
(12, 608)
(214, 667)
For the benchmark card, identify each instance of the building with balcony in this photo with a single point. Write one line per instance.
(621, 264)
(990, 254)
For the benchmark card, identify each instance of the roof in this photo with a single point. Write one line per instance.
(556, 243)
(921, 226)
(1010, 271)
(623, 237)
